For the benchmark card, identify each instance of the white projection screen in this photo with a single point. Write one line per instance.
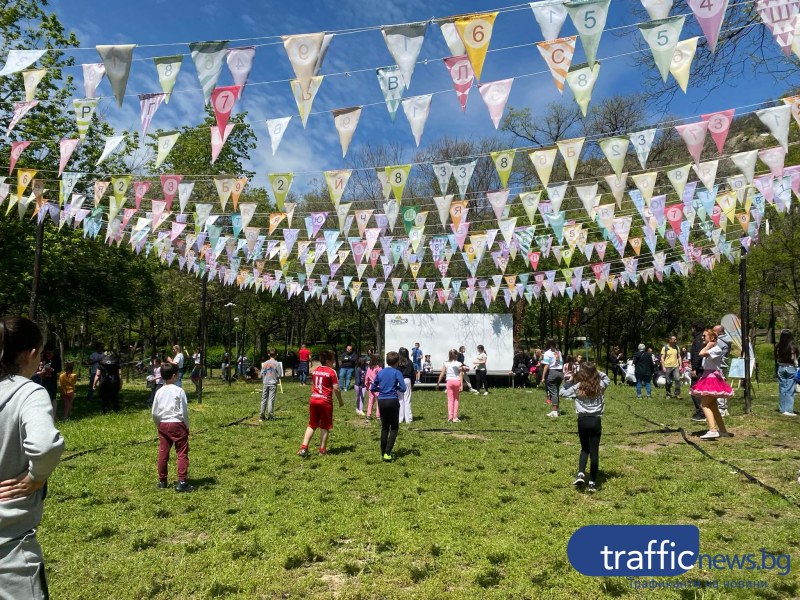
(438, 333)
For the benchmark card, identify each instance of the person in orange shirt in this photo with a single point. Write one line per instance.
(66, 382)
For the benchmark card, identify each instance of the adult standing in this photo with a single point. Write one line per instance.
(30, 448)
(108, 382)
(94, 361)
(671, 361)
(406, 367)
(51, 372)
(416, 358)
(786, 353)
(347, 367)
(617, 359)
(644, 368)
(481, 379)
(553, 374)
(304, 364)
(177, 360)
(197, 371)
(724, 341)
(696, 362)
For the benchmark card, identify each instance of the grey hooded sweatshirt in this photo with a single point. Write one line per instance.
(29, 441)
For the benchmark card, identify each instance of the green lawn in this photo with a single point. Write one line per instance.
(480, 509)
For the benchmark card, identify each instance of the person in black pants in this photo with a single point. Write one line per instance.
(520, 369)
(697, 367)
(388, 382)
(587, 387)
(108, 381)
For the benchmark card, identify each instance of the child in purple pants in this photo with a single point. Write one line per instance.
(360, 385)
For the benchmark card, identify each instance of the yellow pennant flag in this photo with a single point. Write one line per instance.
(543, 161)
(275, 220)
(571, 151)
(119, 187)
(24, 178)
(682, 59)
(280, 182)
(398, 177)
(476, 32)
(224, 189)
(503, 161)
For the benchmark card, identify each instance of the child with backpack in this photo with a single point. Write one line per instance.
(171, 415)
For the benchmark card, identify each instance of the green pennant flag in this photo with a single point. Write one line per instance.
(280, 182)
(503, 162)
(589, 17)
(663, 36)
(398, 176)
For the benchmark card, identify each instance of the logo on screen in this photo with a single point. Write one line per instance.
(398, 320)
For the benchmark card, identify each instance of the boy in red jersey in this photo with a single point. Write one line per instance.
(324, 383)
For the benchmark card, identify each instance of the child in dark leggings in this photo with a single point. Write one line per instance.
(388, 382)
(586, 388)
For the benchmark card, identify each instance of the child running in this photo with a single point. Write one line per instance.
(67, 381)
(587, 387)
(455, 383)
(360, 382)
(388, 383)
(324, 383)
(171, 415)
(375, 366)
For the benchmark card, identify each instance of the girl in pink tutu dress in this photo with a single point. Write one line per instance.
(712, 385)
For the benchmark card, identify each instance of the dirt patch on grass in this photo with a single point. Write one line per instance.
(333, 581)
(468, 436)
(188, 537)
(651, 448)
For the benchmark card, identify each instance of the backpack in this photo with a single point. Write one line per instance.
(109, 371)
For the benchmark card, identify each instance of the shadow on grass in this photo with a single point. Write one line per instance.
(206, 482)
(342, 449)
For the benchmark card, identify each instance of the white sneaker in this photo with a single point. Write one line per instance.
(724, 413)
(710, 435)
(456, 420)
(789, 414)
(485, 393)
(476, 392)
(552, 413)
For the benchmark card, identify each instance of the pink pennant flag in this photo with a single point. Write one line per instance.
(140, 188)
(177, 229)
(716, 215)
(495, 95)
(674, 214)
(169, 185)
(709, 15)
(20, 110)
(461, 233)
(16, 150)
(774, 158)
(149, 104)
(462, 74)
(533, 258)
(66, 147)
(218, 141)
(223, 99)
(766, 185)
(779, 16)
(719, 124)
(694, 134)
(126, 216)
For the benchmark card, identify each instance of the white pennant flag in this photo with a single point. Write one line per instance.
(746, 163)
(707, 173)
(404, 43)
(556, 193)
(462, 173)
(451, 37)
(642, 142)
(303, 52)
(164, 145)
(777, 120)
(112, 143)
(443, 206)
(443, 172)
(657, 9)
(117, 60)
(149, 104)
(92, 75)
(571, 152)
(346, 121)
(240, 61)
(618, 186)
(276, 129)
(495, 94)
(18, 60)
(550, 14)
(184, 192)
(417, 109)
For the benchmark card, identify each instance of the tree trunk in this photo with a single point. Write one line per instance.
(37, 265)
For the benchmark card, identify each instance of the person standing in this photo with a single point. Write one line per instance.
(406, 367)
(786, 353)
(617, 359)
(389, 385)
(304, 364)
(587, 388)
(30, 450)
(696, 362)
(108, 381)
(51, 373)
(66, 383)
(724, 341)
(712, 385)
(481, 380)
(454, 374)
(324, 384)
(360, 383)
(375, 366)
(347, 367)
(93, 364)
(177, 360)
(170, 413)
(671, 361)
(416, 357)
(644, 368)
(269, 378)
(197, 371)
(467, 386)
(553, 374)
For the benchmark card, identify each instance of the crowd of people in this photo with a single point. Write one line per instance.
(31, 446)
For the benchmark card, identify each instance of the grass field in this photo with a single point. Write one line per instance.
(479, 509)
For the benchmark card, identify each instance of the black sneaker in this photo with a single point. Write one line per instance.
(699, 419)
(162, 485)
(592, 488)
(182, 486)
(262, 418)
(580, 480)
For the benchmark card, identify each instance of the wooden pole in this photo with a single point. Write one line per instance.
(37, 265)
(745, 310)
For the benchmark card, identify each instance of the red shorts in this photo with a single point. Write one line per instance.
(320, 415)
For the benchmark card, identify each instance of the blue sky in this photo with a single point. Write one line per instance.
(178, 22)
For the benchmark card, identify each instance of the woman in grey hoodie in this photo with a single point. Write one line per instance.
(587, 387)
(30, 448)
